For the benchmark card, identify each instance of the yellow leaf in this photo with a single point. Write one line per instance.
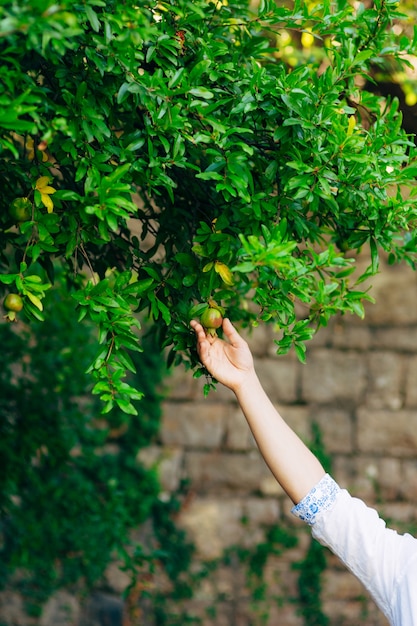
(351, 125)
(224, 273)
(208, 266)
(411, 99)
(47, 189)
(43, 181)
(30, 149)
(307, 39)
(213, 226)
(35, 300)
(47, 202)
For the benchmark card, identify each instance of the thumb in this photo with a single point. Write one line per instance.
(231, 333)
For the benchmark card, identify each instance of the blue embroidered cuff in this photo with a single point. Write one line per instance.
(319, 499)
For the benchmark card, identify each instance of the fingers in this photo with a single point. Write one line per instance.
(199, 330)
(229, 330)
(203, 343)
(231, 333)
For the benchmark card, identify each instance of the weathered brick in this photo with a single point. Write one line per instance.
(181, 385)
(343, 470)
(262, 511)
(279, 377)
(390, 478)
(168, 463)
(287, 506)
(220, 471)
(397, 338)
(341, 584)
(411, 382)
(284, 615)
(385, 380)
(362, 483)
(259, 339)
(395, 293)
(196, 424)
(333, 375)
(400, 514)
(408, 485)
(116, 578)
(238, 434)
(384, 476)
(268, 486)
(323, 338)
(12, 609)
(351, 336)
(392, 432)
(61, 609)
(299, 418)
(354, 612)
(336, 428)
(215, 524)
(259, 513)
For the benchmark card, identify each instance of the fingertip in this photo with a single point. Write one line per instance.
(195, 325)
(230, 331)
(199, 331)
(228, 326)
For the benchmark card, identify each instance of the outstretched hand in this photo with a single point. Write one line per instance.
(230, 362)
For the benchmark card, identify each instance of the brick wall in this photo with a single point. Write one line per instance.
(359, 386)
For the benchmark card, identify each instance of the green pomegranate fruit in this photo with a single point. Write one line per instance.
(13, 303)
(21, 209)
(211, 319)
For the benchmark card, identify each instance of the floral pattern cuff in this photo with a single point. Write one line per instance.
(319, 499)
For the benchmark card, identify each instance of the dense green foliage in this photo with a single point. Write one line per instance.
(155, 156)
(71, 488)
(170, 153)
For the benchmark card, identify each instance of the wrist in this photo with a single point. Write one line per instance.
(247, 385)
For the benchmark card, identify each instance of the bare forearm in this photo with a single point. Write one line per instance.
(294, 466)
(231, 363)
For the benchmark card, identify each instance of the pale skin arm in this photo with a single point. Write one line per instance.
(230, 362)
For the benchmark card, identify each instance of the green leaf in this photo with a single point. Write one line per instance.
(176, 78)
(126, 406)
(300, 350)
(374, 256)
(196, 310)
(363, 55)
(210, 176)
(202, 92)
(92, 17)
(8, 279)
(164, 310)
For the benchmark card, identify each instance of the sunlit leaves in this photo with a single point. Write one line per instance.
(202, 150)
(45, 191)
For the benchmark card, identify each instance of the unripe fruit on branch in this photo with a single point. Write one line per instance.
(13, 303)
(21, 210)
(211, 319)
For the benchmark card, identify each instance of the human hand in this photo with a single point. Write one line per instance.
(230, 362)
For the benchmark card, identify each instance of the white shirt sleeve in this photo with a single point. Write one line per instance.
(384, 561)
